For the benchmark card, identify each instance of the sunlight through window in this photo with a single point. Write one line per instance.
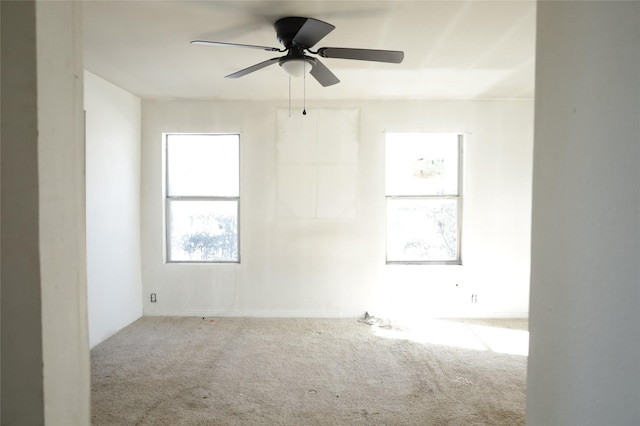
(202, 197)
(423, 197)
(461, 334)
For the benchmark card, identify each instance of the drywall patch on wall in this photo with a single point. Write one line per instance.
(317, 163)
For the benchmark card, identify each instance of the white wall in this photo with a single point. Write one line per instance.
(113, 207)
(584, 363)
(61, 165)
(21, 322)
(46, 378)
(336, 267)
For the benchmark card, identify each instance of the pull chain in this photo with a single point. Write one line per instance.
(289, 96)
(304, 89)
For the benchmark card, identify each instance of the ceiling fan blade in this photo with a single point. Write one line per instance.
(312, 31)
(248, 46)
(324, 76)
(391, 56)
(253, 68)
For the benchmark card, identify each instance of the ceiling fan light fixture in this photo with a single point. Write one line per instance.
(297, 67)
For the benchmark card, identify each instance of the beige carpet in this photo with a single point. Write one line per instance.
(251, 371)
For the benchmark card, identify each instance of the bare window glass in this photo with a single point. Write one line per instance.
(202, 197)
(422, 177)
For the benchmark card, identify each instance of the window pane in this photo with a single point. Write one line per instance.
(203, 230)
(421, 164)
(203, 165)
(422, 230)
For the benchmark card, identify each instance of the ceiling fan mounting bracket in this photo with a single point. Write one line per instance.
(296, 51)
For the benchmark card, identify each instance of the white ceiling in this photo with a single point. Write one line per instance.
(453, 49)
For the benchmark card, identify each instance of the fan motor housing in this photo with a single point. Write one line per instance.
(287, 28)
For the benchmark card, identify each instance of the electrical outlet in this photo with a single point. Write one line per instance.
(153, 298)
(474, 298)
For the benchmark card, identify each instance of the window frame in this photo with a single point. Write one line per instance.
(169, 198)
(459, 206)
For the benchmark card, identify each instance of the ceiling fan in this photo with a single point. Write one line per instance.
(298, 35)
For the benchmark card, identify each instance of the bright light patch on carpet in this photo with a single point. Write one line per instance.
(462, 335)
(503, 340)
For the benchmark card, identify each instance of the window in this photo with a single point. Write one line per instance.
(423, 197)
(202, 195)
